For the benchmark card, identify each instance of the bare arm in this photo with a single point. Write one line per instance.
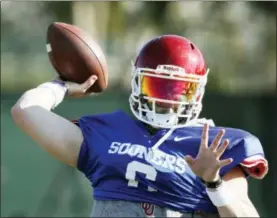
(58, 136)
(55, 134)
(241, 206)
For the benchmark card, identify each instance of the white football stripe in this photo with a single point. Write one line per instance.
(48, 47)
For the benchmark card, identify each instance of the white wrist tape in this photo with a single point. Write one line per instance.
(47, 95)
(220, 196)
(58, 90)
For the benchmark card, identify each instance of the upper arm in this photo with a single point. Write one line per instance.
(58, 136)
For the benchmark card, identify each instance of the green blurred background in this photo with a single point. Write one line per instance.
(238, 40)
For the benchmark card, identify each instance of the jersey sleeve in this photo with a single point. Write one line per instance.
(86, 154)
(247, 153)
(94, 130)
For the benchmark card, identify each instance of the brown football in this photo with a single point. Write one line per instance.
(76, 56)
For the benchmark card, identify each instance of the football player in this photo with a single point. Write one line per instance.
(167, 161)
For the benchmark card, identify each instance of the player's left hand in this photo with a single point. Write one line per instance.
(207, 164)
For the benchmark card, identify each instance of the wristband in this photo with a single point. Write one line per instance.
(212, 185)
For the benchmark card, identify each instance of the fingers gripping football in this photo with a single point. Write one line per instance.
(207, 164)
(79, 90)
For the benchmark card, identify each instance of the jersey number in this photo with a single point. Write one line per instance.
(134, 167)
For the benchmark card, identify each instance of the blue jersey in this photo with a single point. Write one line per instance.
(116, 157)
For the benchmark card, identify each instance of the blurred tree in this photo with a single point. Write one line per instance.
(267, 6)
(61, 10)
(156, 14)
(117, 26)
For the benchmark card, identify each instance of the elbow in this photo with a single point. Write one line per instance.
(18, 110)
(17, 113)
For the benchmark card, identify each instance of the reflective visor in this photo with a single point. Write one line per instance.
(180, 89)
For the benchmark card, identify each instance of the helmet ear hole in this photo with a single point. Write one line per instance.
(192, 46)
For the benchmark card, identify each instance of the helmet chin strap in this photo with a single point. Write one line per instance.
(162, 139)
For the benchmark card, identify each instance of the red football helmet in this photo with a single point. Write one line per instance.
(168, 82)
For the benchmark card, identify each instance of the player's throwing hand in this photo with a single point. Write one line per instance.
(207, 163)
(78, 90)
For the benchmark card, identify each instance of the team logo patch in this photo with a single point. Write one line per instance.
(148, 209)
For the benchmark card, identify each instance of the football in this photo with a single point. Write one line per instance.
(76, 56)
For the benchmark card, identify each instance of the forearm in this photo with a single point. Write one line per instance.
(231, 198)
(238, 208)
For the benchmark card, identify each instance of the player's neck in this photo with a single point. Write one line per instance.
(152, 130)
